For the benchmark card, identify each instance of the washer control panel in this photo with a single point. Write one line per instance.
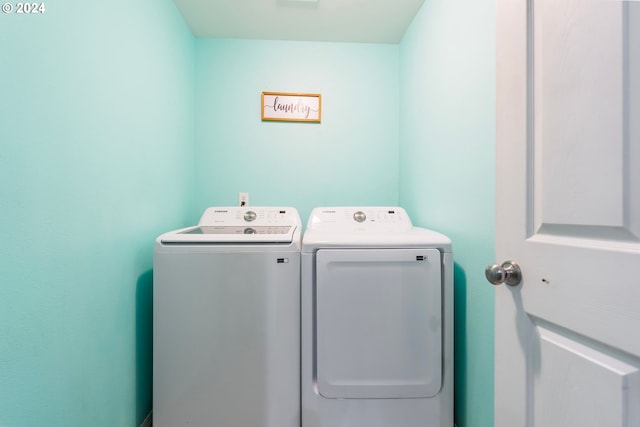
(243, 216)
(240, 225)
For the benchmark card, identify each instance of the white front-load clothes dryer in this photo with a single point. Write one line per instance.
(377, 321)
(226, 320)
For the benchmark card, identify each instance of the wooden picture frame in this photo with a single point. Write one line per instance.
(291, 107)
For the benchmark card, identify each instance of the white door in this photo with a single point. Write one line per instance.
(568, 212)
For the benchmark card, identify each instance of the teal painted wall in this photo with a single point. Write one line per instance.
(96, 159)
(351, 158)
(447, 135)
(116, 125)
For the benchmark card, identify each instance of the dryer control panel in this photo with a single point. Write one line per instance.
(369, 218)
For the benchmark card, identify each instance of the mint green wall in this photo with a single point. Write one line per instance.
(95, 161)
(351, 158)
(116, 125)
(446, 171)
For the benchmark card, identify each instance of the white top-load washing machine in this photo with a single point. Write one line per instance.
(226, 320)
(377, 321)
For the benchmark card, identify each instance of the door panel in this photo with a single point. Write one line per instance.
(378, 323)
(572, 374)
(579, 105)
(580, 121)
(568, 211)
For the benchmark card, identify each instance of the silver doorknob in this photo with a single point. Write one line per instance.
(509, 272)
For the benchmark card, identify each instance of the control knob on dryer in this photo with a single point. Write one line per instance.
(360, 216)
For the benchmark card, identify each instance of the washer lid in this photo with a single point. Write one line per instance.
(240, 225)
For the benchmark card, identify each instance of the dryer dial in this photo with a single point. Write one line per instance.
(359, 216)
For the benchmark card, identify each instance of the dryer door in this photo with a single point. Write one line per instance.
(378, 323)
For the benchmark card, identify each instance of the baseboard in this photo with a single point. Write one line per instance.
(147, 421)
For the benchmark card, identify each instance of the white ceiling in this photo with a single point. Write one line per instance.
(358, 21)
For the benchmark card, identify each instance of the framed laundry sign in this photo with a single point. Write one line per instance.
(291, 107)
